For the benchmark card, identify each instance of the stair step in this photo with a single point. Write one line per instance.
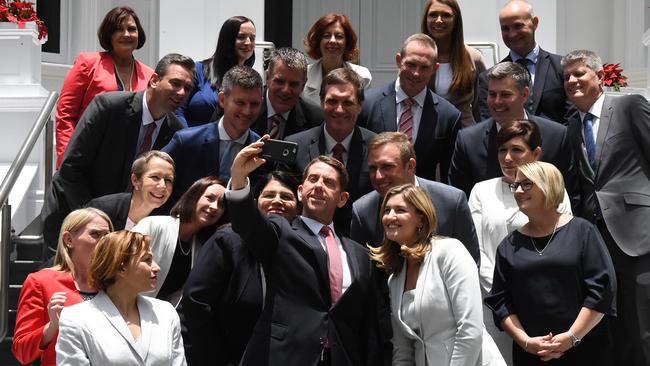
(19, 269)
(29, 247)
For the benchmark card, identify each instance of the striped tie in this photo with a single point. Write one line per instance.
(276, 121)
(406, 118)
(337, 152)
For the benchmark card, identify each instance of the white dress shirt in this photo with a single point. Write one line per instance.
(416, 108)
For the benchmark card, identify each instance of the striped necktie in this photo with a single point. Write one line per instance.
(406, 118)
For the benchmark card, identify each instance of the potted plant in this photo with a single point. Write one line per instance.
(20, 13)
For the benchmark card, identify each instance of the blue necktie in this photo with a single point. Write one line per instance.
(590, 142)
(231, 149)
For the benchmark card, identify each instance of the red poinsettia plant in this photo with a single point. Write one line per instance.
(614, 76)
(21, 12)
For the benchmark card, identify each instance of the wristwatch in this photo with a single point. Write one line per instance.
(574, 340)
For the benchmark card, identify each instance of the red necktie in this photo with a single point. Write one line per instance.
(337, 152)
(334, 264)
(406, 118)
(146, 141)
(276, 121)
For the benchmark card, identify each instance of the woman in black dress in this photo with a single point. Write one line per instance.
(553, 279)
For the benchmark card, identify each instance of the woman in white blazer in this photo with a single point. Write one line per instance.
(434, 289)
(176, 239)
(495, 211)
(332, 42)
(119, 326)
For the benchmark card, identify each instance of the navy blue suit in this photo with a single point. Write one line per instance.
(439, 125)
(549, 99)
(195, 151)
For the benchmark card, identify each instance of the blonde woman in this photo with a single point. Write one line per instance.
(46, 292)
(435, 296)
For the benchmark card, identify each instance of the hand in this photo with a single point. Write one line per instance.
(565, 341)
(247, 160)
(54, 308)
(542, 345)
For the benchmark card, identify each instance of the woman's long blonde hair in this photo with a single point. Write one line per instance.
(389, 255)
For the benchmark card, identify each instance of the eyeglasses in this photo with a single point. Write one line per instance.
(525, 185)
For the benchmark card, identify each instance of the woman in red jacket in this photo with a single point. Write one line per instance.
(120, 33)
(46, 292)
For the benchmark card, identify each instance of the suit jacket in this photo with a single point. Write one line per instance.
(195, 151)
(116, 206)
(476, 154)
(454, 220)
(32, 315)
(303, 116)
(619, 189)
(298, 315)
(92, 73)
(99, 157)
(311, 144)
(447, 304)
(222, 301)
(548, 100)
(439, 125)
(94, 333)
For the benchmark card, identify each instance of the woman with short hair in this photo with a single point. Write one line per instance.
(119, 326)
(46, 292)
(554, 280)
(332, 42)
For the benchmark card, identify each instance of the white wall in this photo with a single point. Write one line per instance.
(193, 29)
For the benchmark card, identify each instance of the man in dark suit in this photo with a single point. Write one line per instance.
(320, 305)
(391, 161)
(611, 140)
(114, 129)
(339, 137)
(283, 112)
(475, 156)
(209, 149)
(547, 97)
(408, 106)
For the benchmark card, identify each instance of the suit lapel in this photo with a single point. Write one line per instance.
(210, 149)
(317, 143)
(396, 286)
(603, 127)
(261, 123)
(295, 120)
(355, 155)
(303, 231)
(541, 70)
(428, 123)
(575, 131)
(490, 142)
(108, 309)
(377, 229)
(388, 109)
(147, 322)
(134, 121)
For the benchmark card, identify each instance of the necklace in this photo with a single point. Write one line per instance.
(540, 252)
(180, 245)
(125, 86)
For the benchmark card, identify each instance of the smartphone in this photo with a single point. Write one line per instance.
(279, 150)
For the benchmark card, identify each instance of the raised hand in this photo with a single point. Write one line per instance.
(54, 307)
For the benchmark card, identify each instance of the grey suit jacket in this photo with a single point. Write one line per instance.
(94, 333)
(619, 189)
(99, 156)
(454, 218)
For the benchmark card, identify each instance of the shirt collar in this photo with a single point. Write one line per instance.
(147, 118)
(316, 226)
(595, 109)
(330, 142)
(532, 56)
(400, 95)
(223, 135)
(270, 111)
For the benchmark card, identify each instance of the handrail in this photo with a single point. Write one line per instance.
(5, 188)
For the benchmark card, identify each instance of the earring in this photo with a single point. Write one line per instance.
(419, 229)
(137, 188)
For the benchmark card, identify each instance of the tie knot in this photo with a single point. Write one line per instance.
(277, 118)
(325, 231)
(588, 117)
(524, 62)
(408, 102)
(338, 149)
